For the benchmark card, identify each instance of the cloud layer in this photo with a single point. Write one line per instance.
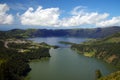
(78, 17)
(41, 17)
(81, 17)
(4, 17)
(115, 21)
(52, 17)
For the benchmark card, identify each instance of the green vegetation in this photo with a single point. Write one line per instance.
(91, 33)
(15, 55)
(48, 46)
(98, 74)
(89, 54)
(15, 52)
(64, 42)
(17, 33)
(107, 49)
(112, 76)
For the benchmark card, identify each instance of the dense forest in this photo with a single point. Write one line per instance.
(15, 57)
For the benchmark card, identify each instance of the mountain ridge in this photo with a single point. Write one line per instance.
(85, 33)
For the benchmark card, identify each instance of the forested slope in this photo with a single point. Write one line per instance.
(15, 57)
(107, 49)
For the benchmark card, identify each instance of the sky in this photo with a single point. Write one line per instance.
(59, 14)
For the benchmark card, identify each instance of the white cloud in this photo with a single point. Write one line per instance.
(42, 17)
(115, 21)
(78, 10)
(79, 16)
(4, 17)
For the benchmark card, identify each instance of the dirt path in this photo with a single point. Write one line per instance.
(6, 44)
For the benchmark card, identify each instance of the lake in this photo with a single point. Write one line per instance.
(56, 40)
(66, 64)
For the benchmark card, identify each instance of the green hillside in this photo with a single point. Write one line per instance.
(15, 55)
(112, 76)
(16, 33)
(107, 49)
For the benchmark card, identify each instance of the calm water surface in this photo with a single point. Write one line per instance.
(66, 64)
(56, 40)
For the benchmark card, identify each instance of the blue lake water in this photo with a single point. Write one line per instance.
(56, 40)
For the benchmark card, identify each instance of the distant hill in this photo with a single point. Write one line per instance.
(16, 33)
(89, 33)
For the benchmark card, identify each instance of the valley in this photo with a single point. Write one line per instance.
(19, 47)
